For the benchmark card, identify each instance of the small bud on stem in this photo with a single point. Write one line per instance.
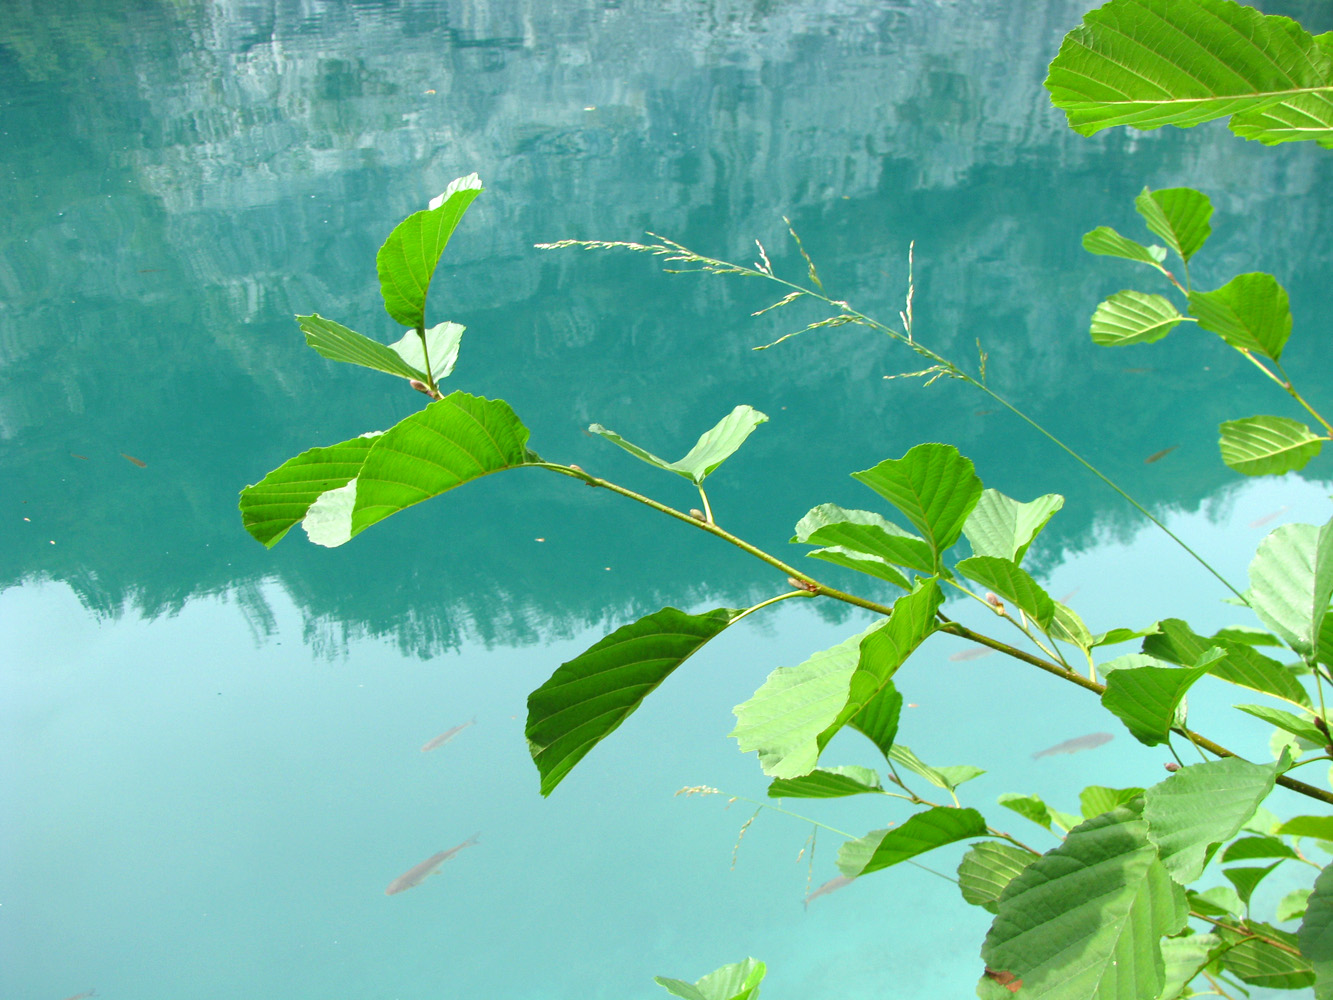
(1171, 765)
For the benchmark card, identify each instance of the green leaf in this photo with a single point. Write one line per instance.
(1085, 920)
(1247, 879)
(1003, 527)
(1106, 242)
(1219, 901)
(1173, 640)
(878, 718)
(783, 720)
(1179, 216)
(588, 697)
(1255, 961)
(1319, 827)
(442, 342)
(865, 532)
(1185, 958)
(1291, 582)
(713, 448)
(1267, 446)
(986, 869)
(337, 343)
(1250, 312)
(1029, 807)
(1305, 116)
(1149, 63)
(1117, 635)
(923, 832)
(1095, 800)
(1286, 721)
(1130, 317)
(1293, 906)
(1067, 626)
(406, 262)
(1145, 699)
(731, 982)
(450, 442)
(1249, 848)
(933, 485)
(887, 648)
(1202, 805)
(827, 783)
(271, 506)
(947, 778)
(870, 565)
(1013, 584)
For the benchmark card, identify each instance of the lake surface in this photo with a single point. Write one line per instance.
(209, 765)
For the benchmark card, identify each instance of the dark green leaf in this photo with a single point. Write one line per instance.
(1145, 699)
(921, 833)
(1149, 63)
(826, 783)
(1106, 242)
(865, 532)
(1286, 721)
(1202, 805)
(587, 698)
(1250, 312)
(1003, 527)
(1012, 583)
(987, 868)
(1130, 317)
(1179, 216)
(862, 563)
(1291, 582)
(1085, 920)
(878, 718)
(1095, 800)
(713, 448)
(1246, 879)
(337, 343)
(271, 506)
(1241, 664)
(1249, 848)
(1270, 959)
(935, 488)
(406, 262)
(1267, 446)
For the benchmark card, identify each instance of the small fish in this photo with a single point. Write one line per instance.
(418, 873)
(1259, 522)
(74, 455)
(446, 736)
(982, 413)
(832, 885)
(1075, 745)
(137, 461)
(1137, 371)
(1157, 456)
(971, 654)
(83, 996)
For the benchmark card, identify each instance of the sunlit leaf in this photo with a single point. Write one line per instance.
(1012, 583)
(1106, 242)
(1293, 724)
(878, 718)
(987, 868)
(1202, 805)
(783, 720)
(337, 343)
(826, 783)
(731, 982)
(1095, 800)
(1267, 446)
(270, 507)
(1003, 527)
(714, 447)
(442, 343)
(1179, 216)
(1249, 848)
(1291, 582)
(870, 565)
(1149, 63)
(1319, 827)
(1146, 699)
(1250, 312)
(588, 697)
(1117, 635)
(947, 778)
(1067, 626)
(933, 485)
(1085, 920)
(450, 442)
(1271, 958)
(1130, 317)
(1029, 807)
(407, 260)
(1173, 640)
(1185, 957)
(865, 532)
(1305, 116)
(923, 832)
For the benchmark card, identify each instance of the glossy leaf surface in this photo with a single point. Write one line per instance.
(1130, 317)
(714, 446)
(588, 697)
(1287, 722)
(923, 832)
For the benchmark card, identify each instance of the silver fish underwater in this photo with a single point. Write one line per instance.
(446, 736)
(419, 873)
(1075, 745)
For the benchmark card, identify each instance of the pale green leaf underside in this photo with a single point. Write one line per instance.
(986, 869)
(827, 783)
(923, 832)
(406, 262)
(1003, 527)
(1130, 317)
(442, 343)
(1097, 799)
(713, 448)
(1106, 242)
(1085, 920)
(272, 506)
(1149, 63)
(588, 697)
(1177, 215)
(1291, 582)
(1267, 446)
(337, 343)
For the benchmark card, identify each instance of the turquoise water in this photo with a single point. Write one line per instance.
(209, 769)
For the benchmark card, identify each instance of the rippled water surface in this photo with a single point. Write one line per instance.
(209, 765)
